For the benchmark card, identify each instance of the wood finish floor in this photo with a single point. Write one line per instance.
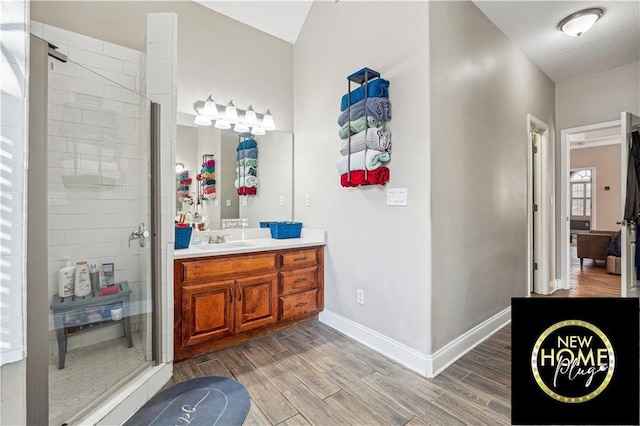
(314, 375)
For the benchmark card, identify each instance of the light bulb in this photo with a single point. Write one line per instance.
(241, 127)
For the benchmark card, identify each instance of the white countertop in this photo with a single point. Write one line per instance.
(249, 241)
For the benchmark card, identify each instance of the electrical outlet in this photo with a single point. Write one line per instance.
(244, 201)
(228, 203)
(360, 296)
(307, 200)
(281, 200)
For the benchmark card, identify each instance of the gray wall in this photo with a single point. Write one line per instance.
(380, 249)
(482, 88)
(216, 54)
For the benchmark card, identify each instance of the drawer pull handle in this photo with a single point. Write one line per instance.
(230, 294)
(298, 259)
(300, 305)
(240, 293)
(299, 280)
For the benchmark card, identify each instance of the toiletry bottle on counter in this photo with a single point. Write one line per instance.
(94, 277)
(83, 282)
(66, 279)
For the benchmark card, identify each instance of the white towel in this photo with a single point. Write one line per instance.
(374, 159)
(377, 138)
(245, 171)
(246, 181)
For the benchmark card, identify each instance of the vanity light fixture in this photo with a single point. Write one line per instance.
(222, 124)
(578, 23)
(202, 120)
(250, 117)
(267, 121)
(210, 109)
(230, 113)
(258, 130)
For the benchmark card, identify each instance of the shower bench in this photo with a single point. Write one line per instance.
(89, 312)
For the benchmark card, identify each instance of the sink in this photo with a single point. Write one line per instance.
(223, 246)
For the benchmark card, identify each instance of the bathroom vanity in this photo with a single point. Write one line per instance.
(229, 292)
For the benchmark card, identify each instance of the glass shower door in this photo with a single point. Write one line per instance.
(99, 216)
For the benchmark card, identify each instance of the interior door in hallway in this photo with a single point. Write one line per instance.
(629, 281)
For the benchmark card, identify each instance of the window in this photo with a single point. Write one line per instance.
(581, 193)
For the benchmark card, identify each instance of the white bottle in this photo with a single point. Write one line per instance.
(66, 279)
(83, 281)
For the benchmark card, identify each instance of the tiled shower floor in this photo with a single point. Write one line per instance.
(89, 372)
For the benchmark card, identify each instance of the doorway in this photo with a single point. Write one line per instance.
(591, 199)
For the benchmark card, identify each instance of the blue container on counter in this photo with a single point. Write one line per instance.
(183, 237)
(282, 230)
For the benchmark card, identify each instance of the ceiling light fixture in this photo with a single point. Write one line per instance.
(578, 23)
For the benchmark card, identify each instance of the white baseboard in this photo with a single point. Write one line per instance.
(458, 347)
(403, 354)
(425, 365)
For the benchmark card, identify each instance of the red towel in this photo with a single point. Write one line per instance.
(379, 176)
(243, 190)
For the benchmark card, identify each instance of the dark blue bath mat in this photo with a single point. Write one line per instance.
(202, 401)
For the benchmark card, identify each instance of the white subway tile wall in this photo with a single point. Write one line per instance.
(14, 32)
(96, 177)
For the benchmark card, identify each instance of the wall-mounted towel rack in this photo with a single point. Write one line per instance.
(371, 85)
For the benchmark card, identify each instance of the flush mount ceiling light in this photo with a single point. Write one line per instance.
(578, 23)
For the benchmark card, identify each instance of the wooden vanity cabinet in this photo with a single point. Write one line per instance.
(223, 300)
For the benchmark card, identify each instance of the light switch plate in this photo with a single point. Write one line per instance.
(228, 203)
(397, 196)
(244, 201)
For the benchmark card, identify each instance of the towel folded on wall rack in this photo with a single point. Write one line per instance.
(378, 108)
(246, 181)
(376, 139)
(377, 88)
(247, 144)
(247, 191)
(358, 125)
(247, 153)
(246, 171)
(248, 162)
(369, 160)
(379, 176)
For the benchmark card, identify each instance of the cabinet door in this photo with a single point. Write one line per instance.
(207, 312)
(256, 302)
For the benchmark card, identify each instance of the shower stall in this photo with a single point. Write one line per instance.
(100, 165)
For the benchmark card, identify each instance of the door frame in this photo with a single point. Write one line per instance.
(544, 181)
(565, 156)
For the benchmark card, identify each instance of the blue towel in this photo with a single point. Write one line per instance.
(247, 144)
(248, 153)
(378, 88)
(378, 108)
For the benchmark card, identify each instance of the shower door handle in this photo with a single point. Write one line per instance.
(140, 234)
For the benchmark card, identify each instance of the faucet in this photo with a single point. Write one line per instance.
(217, 239)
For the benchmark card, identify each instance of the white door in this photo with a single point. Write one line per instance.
(628, 282)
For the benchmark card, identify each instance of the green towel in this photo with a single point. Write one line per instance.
(248, 162)
(358, 125)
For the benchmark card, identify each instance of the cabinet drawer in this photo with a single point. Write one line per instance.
(300, 258)
(298, 280)
(299, 304)
(204, 269)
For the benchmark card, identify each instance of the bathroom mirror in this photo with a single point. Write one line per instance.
(274, 198)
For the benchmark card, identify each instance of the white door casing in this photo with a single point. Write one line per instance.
(628, 283)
